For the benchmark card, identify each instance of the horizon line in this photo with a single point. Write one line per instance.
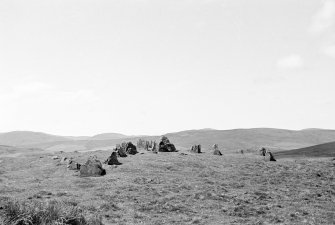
(166, 133)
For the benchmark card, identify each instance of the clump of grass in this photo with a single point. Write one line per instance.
(13, 212)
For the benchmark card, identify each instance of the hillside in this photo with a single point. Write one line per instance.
(276, 139)
(323, 150)
(6, 150)
(21, 138)
(228, 140)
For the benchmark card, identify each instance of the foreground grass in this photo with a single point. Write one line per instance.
(38, 213)
(170, 188)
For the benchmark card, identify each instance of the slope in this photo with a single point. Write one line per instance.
(323, 150)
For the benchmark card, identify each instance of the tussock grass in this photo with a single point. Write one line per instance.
(13, 212)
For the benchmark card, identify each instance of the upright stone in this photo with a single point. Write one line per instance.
(92, 168)
(112, 159)
(216, 150)
(166, 146)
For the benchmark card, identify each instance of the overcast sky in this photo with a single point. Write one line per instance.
(151, 66)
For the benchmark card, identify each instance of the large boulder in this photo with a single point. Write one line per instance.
(112, 159)
(166, 146)
(92, 168)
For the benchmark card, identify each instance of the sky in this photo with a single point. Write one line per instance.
(83, 67)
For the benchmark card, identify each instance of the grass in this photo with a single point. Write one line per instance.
(15, 212)
(169, 188)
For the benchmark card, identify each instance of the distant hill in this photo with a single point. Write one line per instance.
(323, 150)
(108, 136)
(21, 138)
(228, 140)
(275, 139)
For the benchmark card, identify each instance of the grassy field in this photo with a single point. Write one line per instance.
(173, 188)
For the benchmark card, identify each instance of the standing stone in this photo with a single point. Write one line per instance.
(92, 168)
(112, 159)
(196, 149)
(270, 157)
(131, 149)
(166, 146)
(216, 150)
(121, 152)
(263, 151)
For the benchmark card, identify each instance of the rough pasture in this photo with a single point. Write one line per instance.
(174, 188)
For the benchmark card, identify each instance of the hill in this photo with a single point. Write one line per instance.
(228, 140)
(21, 138)
(323, 150)
(275, 139)
(108, 136)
